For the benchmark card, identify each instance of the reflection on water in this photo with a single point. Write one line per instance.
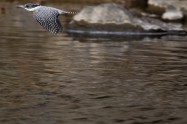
(55, 79)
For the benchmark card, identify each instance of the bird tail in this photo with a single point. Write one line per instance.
(75, 12)
(68, 12)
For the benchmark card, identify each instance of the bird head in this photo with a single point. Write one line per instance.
(29, 6)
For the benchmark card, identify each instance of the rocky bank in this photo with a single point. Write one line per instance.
(114, 18)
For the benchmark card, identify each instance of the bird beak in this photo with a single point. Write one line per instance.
(20, 6)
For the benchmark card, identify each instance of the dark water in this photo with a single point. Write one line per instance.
(59, 79)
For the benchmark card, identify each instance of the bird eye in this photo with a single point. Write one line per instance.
(27, 6)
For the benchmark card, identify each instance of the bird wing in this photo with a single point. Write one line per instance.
(48, 19)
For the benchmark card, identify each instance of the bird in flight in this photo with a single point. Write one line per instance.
(46, 16)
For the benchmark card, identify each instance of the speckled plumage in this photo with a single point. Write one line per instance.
(48, 18)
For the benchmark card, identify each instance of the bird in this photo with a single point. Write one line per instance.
(46, 16)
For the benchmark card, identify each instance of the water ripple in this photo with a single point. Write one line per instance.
(55, 79)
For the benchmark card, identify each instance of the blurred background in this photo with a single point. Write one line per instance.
(67, 79)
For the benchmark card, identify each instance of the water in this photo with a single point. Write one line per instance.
(60, 79)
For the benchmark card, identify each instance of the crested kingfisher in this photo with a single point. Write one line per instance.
(46, 16)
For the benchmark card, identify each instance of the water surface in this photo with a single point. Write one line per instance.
(60, 79)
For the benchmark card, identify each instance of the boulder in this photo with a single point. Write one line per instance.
(182, 4)
(172, 13)
(104, 14)
(172, 8)
(111, 13)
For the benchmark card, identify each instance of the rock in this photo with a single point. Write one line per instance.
(104, 14)
(164, 3)
(114, 14)
(178, 13)
(172, 13)
(154, 24)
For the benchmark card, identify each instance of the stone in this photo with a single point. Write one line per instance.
(104, 14)
(182, 4)
(172, 13)
(111, 13)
